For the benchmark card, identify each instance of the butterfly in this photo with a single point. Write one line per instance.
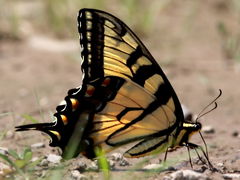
(125, 97)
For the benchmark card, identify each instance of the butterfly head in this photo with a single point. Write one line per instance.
(191, 128)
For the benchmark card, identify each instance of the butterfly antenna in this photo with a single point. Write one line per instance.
(203, 113)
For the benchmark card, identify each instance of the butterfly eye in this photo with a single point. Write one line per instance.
(64, 119)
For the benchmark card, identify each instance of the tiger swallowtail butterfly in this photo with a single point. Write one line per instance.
(125, 97)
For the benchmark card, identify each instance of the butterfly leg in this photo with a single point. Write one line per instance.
(199, 157)
(165, 156)
(189, 156)
(194, 146)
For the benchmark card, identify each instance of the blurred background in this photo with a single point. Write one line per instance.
(196, 43)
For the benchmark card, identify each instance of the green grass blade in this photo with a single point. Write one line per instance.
(27, 155)
(14, 154)
(103, 163)
(30, 118)
(4, 157)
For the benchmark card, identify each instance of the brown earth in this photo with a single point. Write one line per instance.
(36, 73)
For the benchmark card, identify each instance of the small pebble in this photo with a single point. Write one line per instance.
(111, 164)
(220, 164)
(153, 166)
(3, 150)
(188, 174)
(38, 145)
(123, 162)
(116, 156)
(177, 175)
(93, 166)
(201, 169)
(44, 162)
(5, 169)
(81, 166)
(208, 129)
(53, 158)
(231, 176)
(78, 176)
(167, 178)
(235, 134)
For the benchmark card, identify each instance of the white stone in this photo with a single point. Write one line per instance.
(93, 166)
(3, 150)
(53, 158)
(38, 145)
(178, 175)
(81, 166)
(188, 174)
(153, 166)
(111, 164)
(77, 175)
(44, 162)
(116, 156)
(220, 164)
(231, 176)
(124, 162)
(208, 129)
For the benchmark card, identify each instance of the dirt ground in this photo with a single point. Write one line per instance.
(36, 73)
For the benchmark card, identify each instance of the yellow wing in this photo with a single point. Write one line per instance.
(146, 103)
(126, 119)
(124, 97)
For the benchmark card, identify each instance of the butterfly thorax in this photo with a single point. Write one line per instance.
(185, 133)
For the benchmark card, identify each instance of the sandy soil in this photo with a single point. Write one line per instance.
(189, 48)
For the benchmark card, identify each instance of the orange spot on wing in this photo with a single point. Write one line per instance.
(56, 134)
(90, 90)
(64, 119)
(75, 103)
(106, 82)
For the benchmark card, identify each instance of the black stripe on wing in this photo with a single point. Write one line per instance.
(110, 48)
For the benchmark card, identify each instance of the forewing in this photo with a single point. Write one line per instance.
(110, 48)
